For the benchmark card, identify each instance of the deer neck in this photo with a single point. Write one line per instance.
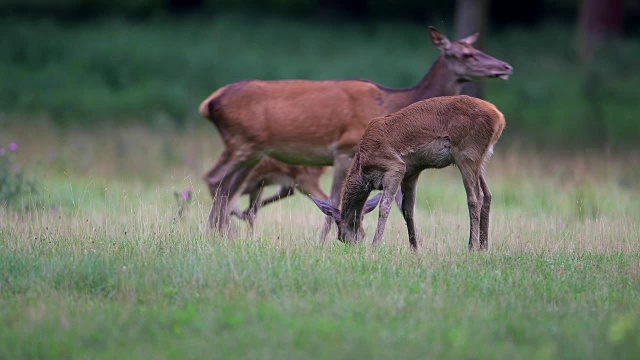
(439, 81)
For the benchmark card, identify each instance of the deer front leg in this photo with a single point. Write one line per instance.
(390, 185)
(408, 188)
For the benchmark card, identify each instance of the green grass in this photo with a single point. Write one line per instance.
(157, 71)
(109, 274)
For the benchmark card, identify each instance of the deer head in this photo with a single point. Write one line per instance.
(467, 62)
(349, 230)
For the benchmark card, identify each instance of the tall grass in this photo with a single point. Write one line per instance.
(157, 71)
(102, 269)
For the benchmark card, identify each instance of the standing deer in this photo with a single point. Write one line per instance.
(290, 177)
(320, 123)
(433, 133)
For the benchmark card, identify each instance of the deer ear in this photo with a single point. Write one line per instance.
(439, 39)
(326, 208)
(470, 39)
(371, 204)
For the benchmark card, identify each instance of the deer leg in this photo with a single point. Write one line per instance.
(254, 204)
(316, 191)
(399, 196)
(484, 214)
(390, 185)
(283, 192)
(225, 181)
(341, 164)
(242, 215)
(471, 182)
(408, 188)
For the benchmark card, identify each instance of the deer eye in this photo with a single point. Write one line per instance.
(468, 56)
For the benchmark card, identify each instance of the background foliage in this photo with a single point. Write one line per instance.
(87, 63)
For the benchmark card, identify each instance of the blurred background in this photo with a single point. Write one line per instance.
(96, 63)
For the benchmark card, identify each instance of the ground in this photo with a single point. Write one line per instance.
(101, 267)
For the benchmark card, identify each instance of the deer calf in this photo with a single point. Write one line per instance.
(319, 123)
(432, 133)
(289, 177)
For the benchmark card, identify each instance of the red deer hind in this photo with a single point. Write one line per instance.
(433, 133)
(320, 123)
(306, 179)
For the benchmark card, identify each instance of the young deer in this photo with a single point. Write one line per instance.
(432, 133)
(289, 177)
(319, 123)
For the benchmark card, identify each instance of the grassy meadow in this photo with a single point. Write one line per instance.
(100, 266)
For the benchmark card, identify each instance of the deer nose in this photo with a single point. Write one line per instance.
(508, 67)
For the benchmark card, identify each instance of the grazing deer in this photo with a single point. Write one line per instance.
(433, 133)
(320, 123)
(290, 177)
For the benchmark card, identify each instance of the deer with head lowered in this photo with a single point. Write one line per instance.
(305, 179)
(433, 133)
(320, 123)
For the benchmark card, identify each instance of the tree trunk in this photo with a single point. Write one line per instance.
(471, 17)
(598, 20)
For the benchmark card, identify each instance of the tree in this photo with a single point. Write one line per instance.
(598, 20)
(471, 17)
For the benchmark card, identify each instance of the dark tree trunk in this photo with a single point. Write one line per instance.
(471, 17)
(598, 20)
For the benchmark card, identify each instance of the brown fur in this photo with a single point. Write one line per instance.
(289, 177)
(319, 123)
(432, 133)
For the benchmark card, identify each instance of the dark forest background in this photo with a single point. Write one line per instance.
(95, 62)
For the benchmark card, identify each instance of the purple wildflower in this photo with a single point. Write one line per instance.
(13, 146)
(186, 195)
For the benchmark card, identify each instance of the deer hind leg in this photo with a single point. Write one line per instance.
(390, 185)
(313, 188)
(470, 177)
(408, 202)
(484, 214)
(283, 192)
(225, 181)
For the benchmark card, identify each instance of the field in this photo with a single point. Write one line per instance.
(100, 266)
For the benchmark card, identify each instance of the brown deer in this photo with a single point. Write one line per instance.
(289, 177)
(320, 123)
(433, 133)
